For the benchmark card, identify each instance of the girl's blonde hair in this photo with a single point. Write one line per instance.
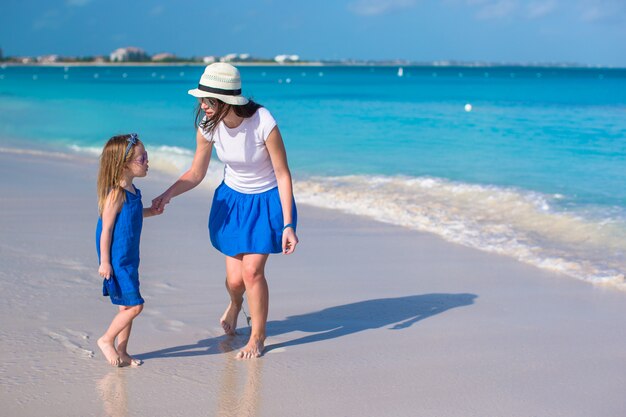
(113, 160)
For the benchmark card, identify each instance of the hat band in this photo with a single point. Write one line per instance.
(219, 90)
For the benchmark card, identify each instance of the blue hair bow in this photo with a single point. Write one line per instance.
(132, 140)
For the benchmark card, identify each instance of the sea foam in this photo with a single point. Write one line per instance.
(527, 226)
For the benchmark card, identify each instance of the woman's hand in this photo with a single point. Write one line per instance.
(290, 240)
(105, 270)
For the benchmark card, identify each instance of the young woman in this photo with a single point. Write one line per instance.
(253, 212)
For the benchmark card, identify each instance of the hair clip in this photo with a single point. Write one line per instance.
(132, 140)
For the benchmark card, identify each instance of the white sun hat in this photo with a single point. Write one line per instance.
(222, 81)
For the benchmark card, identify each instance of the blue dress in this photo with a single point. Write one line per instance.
(123, 286)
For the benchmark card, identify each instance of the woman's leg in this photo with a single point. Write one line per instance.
(122, 341)
(236, 289)
(253, 274)
(122, 319)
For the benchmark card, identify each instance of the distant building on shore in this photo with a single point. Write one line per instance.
(228, 58)
(164, 57)
(209, 59)
(283, 59)
(48, 59)
(129, 54)
(236, 58)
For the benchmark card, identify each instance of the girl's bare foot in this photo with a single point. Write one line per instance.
(254, 349)
(229, 319)
(109, 352)
(127, 360)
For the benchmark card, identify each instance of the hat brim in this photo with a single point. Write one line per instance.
(234, 100)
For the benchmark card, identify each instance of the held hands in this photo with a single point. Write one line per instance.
(290, 240)
(158, 204)
(105, 270)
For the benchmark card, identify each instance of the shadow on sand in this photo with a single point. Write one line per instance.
(332, 322)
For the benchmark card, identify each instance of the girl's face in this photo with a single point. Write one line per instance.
(208, 105)
(138, 164)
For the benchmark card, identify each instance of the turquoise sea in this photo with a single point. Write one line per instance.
(536, 170)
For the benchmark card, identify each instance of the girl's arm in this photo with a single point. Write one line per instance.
(278, 155)
(149, 212)
(112, 206)
(191, 178)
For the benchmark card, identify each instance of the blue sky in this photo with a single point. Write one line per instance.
(536, 31)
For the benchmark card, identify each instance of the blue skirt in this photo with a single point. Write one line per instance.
(247, 223)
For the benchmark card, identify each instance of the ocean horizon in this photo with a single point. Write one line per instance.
(526, 162)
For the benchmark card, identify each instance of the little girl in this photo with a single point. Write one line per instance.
(117, 239)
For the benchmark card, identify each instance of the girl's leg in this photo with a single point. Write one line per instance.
(122, 342)
(253, 273)
(106, 343)
(236, 289)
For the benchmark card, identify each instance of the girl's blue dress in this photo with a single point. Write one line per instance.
(123, 286)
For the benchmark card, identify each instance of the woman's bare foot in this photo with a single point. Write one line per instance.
(127, 360)
(109, 352)
(254, 349)
(229, 319)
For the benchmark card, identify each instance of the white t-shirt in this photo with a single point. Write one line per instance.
(248, 167)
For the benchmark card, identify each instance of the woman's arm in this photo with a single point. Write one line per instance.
(278, 155)
(191, 178)
(112, 206)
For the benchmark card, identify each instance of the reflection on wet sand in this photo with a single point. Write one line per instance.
(112, 390)
(239, 393)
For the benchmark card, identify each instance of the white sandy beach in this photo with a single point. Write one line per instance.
(366, 319)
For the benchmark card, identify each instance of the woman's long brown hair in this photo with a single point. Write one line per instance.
(208, 125)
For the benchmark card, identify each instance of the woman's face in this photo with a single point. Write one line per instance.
(208, 105)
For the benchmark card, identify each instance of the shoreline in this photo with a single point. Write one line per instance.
(323, 64)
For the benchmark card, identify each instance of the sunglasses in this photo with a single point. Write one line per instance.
(142, 159)
(210, 102)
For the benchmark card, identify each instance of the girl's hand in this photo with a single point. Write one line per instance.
(290, 240)
(151, 211)
(105, 270)
(158, 204)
